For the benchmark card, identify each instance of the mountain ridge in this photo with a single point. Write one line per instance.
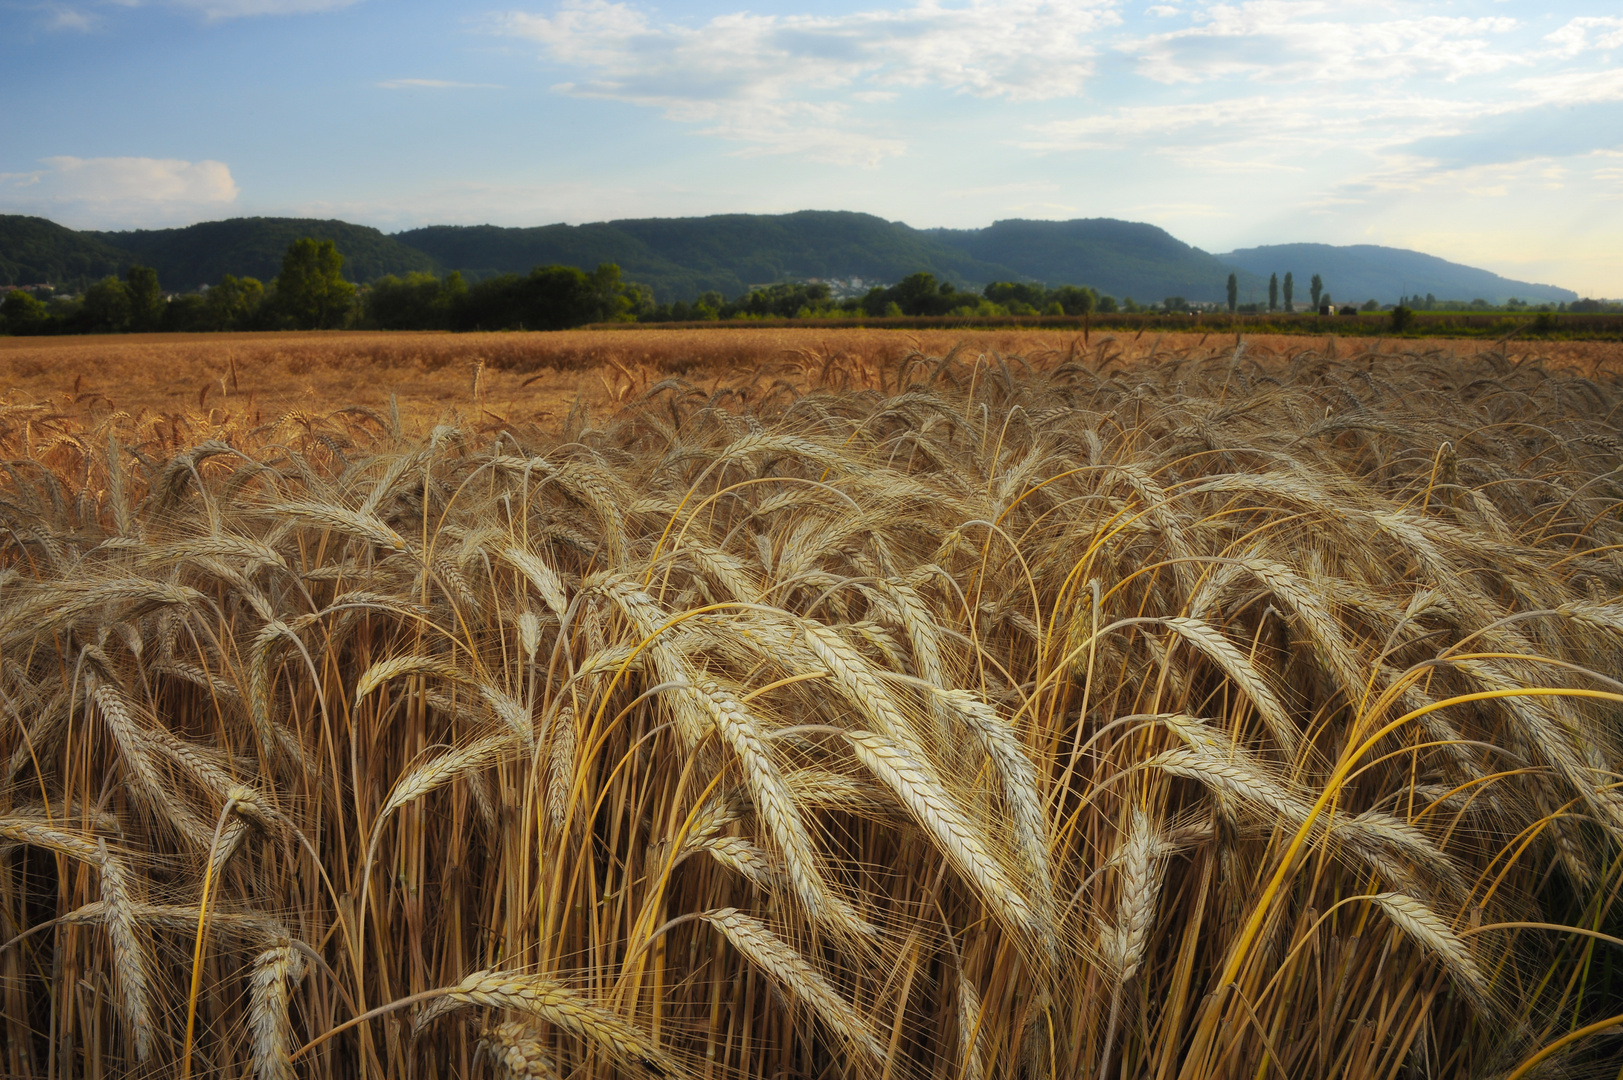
(681, 258)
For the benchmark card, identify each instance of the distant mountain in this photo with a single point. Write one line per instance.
(1122, 258)
(34, 251)
(679, 258)
(253, 247)
(1362, 272)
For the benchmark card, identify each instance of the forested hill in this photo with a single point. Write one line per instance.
(1368, 272)
(34, 251)
(679, 258)
(253, 247)
(1122, 258)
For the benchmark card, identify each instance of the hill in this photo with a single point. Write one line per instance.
(1122, 258)
(679, 258)
(253, 247)
(1362, 272)
(34, 251)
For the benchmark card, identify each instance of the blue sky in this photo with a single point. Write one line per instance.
(1486, 131)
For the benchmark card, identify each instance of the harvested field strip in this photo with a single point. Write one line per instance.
(1012, 718)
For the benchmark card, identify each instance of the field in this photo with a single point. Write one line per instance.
(194, 383)
(767, 704)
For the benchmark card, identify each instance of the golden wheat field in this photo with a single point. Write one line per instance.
(973, 709)
(191, 384)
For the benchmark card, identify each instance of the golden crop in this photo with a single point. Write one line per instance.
(983, 719)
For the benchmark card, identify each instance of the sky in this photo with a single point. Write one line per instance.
(1489, 132)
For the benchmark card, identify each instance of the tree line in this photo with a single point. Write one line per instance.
(311, 293)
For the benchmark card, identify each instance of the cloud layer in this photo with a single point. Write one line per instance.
(119, 190)
(806, 83)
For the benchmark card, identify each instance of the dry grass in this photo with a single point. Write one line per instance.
(920, 716)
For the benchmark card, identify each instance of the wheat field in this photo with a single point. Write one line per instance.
(965, 717)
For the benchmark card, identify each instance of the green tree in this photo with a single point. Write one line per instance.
(558, 297)
(1290, 291)
(146, 297)
(22, 314)
(234, 303)
(311, 289)
(1315, 289)
(107, 306)
(1273, 292)
(1234, 293)
(416, 302)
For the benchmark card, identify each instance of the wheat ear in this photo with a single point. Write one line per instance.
(777, 809)
(517, 1051)
(1209, 640)
(277, 971)
(130, 961)
(550, 1000)
(1423, 926)
(798, 978)
(939, 817)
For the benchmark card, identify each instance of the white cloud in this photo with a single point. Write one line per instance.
(792, 83)
(121, 190)
(1319, 41)
(1573, 38)
(1573, 87)
(434, 84)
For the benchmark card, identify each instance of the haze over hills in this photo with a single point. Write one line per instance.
(1361, 272)
(680, 258)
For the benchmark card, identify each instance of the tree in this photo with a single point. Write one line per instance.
(555, 298)
(417, 302)
(1074, 299)
(234, 302)
(1234, 292)
(311, 289)
(1290, 289)
(1315, 289)
(107, 306)
(22, 314)
(1273, 292)
(146, 298)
